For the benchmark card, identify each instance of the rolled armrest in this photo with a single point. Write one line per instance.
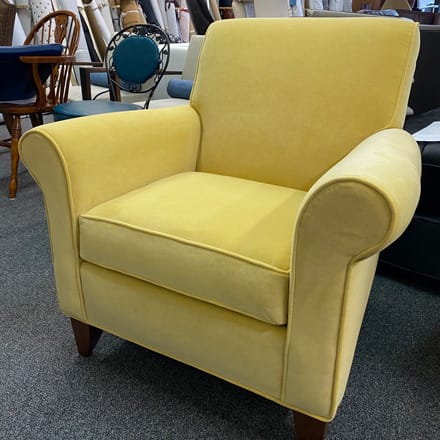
(353, 211)
(83, 162)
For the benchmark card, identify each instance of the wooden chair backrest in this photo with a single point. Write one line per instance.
(61, 27)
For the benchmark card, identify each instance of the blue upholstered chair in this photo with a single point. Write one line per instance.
(135, 61)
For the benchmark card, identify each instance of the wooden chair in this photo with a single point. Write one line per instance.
(60, 27)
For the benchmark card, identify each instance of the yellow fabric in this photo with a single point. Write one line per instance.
(223, 240)
(260, 110)
(239, 349)
(273, 118)
(77, 164)
(362, 201)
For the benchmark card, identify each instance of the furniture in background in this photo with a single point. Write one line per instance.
(240, 233)
(7, 20)
(37, 79)
(179, 89)
(425, 90)
(96, 78)
(182, 57)
(398, 4)
(135, 61)
(225, 10)
(418, 249)
(423, 16)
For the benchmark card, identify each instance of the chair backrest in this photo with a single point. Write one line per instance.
(62, 27)
(7, 20)
(283, 100)
(192, 56)
(16, 77)
(137, 58)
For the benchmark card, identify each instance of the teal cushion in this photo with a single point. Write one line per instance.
(76, 109)
(99, 79)
(136, 59)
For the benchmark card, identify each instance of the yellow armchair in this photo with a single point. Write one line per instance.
(240, 234)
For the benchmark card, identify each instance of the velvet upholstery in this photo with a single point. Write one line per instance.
(240, 234)
(142, 224)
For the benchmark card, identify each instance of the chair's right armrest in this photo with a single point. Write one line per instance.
(82, 162)
(352, 212)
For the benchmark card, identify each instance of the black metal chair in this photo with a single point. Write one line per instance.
(135, 61)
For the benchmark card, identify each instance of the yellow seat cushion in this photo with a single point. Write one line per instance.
(216, 238)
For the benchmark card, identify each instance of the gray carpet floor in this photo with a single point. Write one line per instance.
(127, 392)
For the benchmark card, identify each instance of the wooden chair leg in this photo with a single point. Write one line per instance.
(36, 119)
(308, 428)
(15, 130)
(86, 336)
(8, 121)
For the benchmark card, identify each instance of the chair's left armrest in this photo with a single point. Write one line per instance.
(82, 162)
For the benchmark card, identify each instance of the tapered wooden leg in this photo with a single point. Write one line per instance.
(86, 336)
(308, 428)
